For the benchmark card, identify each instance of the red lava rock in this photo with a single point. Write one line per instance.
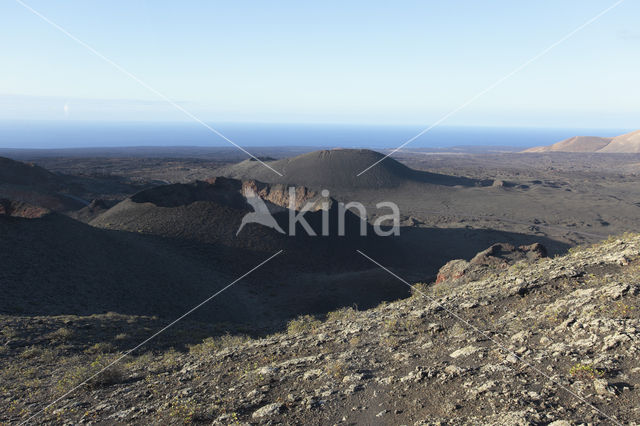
(20, 209)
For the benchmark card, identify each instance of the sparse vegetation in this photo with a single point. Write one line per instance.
(585, 371)
(61, 335)
(100, 348)
(420, 289)
(303, 324)
(93, 375)
(343, 314)
(336, 369)
(212, 344)
(182, 410)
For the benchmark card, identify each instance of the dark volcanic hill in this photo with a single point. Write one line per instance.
(339, 169)
(54, 265)
(18, 173)
(211, 212)
(26, 182)
(168, 248)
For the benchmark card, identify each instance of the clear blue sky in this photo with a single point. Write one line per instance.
(404, 62)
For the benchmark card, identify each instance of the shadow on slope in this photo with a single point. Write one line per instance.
(55, 265)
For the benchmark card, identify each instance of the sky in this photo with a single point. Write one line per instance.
(370, 62)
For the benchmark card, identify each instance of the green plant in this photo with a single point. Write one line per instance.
(182, 410)
(620, 310)
(585, 371)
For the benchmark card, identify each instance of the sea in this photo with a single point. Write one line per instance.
(82, 134)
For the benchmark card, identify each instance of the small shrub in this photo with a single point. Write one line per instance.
(419, 289)
(390, 342)
(212, 344)
(576, 250)
(391, 324)
(585, 371)
(343, 314)
(61, 335)
(92, 375)
(302, 324)
(182, 410)
(398, 325)
(336, 369)
(31, 352)
(100, 348)
(619, 310)
(9, 333)
(141, 361)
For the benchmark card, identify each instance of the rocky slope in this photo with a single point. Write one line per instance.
(547, 341)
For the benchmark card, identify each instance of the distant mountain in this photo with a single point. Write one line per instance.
(627, 143)
(575, 144)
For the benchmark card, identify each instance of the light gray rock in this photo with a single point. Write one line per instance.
(268, 410)
(463, 352)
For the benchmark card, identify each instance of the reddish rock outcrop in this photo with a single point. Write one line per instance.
(20, 209)
(498, 256)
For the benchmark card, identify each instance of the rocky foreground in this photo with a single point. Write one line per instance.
(542, 341)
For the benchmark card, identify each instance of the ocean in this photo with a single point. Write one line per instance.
(77, 134)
